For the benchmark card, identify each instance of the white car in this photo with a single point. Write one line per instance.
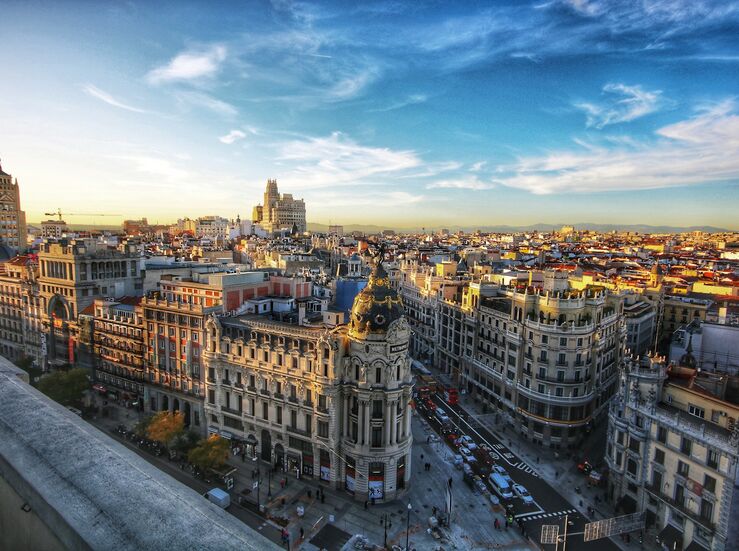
(467, 455)
(467, 442)
(523, 493)
(502, 472)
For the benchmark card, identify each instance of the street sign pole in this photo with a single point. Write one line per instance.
(564, 540)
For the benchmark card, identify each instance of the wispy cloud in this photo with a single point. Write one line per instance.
(478, 166)
(231, 137)
(189, 66)
(412, 99)
(206, 101)
(624, 103)
(467, 182)
(699, 150)
(97, 93)
(155, 166)
(337, 159)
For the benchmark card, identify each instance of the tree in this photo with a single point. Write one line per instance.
(164, 427)
(141, 428)
(185, 441)
(210, 453)
(65, 387)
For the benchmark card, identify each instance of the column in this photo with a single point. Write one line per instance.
(367, 423)
(388, 424)
(347, 413)
(360, 422)
(393, 435)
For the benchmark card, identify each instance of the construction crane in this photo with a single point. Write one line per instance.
(59, 213)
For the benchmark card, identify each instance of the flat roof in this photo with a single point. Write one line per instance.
(91, 490)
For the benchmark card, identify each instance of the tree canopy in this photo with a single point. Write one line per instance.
(165, 426)
(210, 453)
(65, 387)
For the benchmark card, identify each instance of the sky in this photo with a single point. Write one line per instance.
(396, 113)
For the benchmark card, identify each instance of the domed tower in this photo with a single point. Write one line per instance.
(376, 394)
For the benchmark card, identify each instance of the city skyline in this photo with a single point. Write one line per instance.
(397, 114)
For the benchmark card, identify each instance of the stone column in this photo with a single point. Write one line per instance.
(360, 422)
(388, 424)
(367, 423)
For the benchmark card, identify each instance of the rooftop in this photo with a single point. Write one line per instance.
(92, 492)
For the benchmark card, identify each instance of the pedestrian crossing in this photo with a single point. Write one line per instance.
(529, 516)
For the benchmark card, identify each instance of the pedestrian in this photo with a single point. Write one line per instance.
(496, 523)
(421, 457)
(433, 511)
(282, 483)
(323, 498)
(302, 533)
(429, 469)
(373, 501)
(365, 503)
(309, 494)
(428, 439)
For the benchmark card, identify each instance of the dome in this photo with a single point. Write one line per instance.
(376, 306)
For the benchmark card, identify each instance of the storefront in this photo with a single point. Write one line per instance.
(376, 486)
(325, 459)
(308, 462)
(251, 446)
(400, 473)
(350, 475)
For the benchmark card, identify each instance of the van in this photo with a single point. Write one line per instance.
(501, 486)
(219, 497)
(441, 416)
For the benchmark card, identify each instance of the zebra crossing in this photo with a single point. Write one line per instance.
(530, 516)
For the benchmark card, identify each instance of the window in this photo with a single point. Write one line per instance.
(544, 339)
(707, 510)
(563, 341)
(322, 429)
(657, 480)
(308, 423)
(697, 411)
(659, 456)
(321, 401)
(683, 469)
(212, 397)
(294, 419)
(662, 435)
(712, 459)
(376, 409)
(686, 445)
(378, 375)
(265, 411)
(680, 495)
(709, 484)
(278, 414)
(620, 438)
(634, 444)
(376, 437)
(632, 467)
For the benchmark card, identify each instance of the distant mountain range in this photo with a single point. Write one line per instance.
(640, 228)
(373, 229)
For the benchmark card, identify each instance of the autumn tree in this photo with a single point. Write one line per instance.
(210, 453)
(165, 426)
(65, 387)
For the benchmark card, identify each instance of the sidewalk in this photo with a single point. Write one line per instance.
(559, 469)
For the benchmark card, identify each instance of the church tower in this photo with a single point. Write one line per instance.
(376, 394)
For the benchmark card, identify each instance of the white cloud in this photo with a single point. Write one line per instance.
(700, 150)
(467, 182)
(97, 93)
(156, 166)
(337, 159)
(477, 167)
(233, 136)
(189, 66)
(205, 101)
(412, 99)
(625, 103)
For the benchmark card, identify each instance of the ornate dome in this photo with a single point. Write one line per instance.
(376, 306)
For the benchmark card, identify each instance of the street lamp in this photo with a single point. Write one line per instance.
(408, 527)
(387, 524)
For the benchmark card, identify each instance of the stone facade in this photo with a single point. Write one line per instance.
(12, 218)
(279, 211)
(329, 403)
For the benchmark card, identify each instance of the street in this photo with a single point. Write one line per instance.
(549, 507)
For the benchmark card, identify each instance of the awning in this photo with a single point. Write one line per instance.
(251, 439)
(671, 537)
(695, 546)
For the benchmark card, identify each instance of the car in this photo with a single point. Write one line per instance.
(467, 455)
(458, 461)
(480, 485)
(502, 472)
(468, 442)
(523, 493)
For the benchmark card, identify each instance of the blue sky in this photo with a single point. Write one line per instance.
(396, 113)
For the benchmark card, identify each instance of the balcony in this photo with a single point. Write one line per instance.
(264, 392)
(293, 399)
(323, 409)
(553, 398)
(232, 411)
(684, 509)
(296, 430)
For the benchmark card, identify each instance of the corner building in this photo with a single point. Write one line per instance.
(324, 402)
